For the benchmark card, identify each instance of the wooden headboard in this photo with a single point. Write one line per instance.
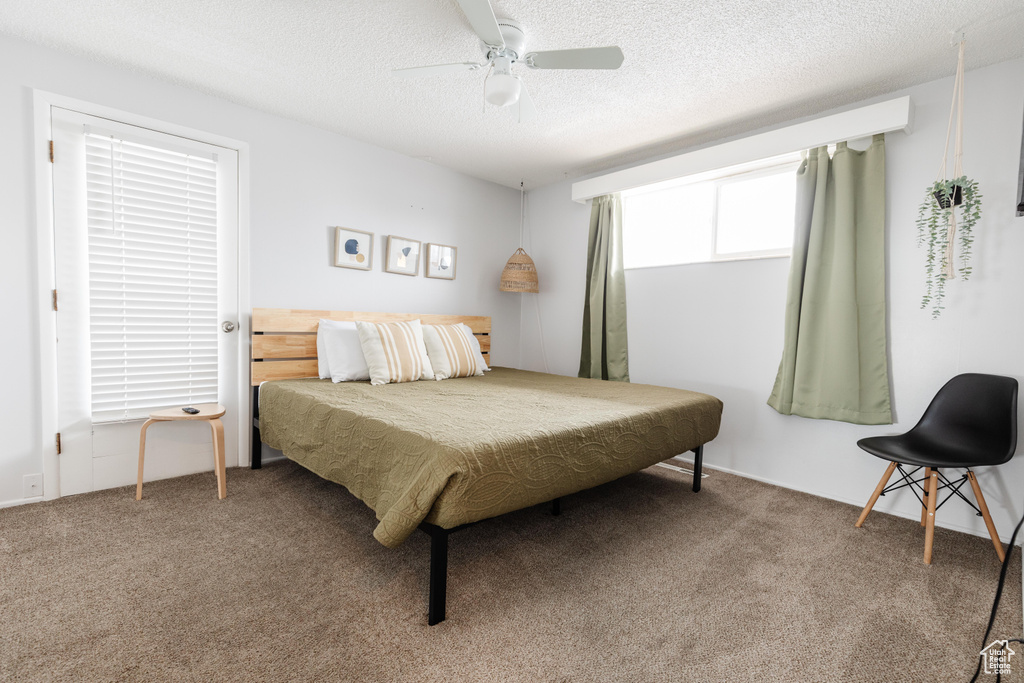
(284, 339)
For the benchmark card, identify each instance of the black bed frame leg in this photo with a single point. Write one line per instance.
(698, 460)
(256, 461)
(556, 507)
(438, 574)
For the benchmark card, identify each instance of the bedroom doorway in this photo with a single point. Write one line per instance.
(146, 299)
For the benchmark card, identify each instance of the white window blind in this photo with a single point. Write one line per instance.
(152, 221)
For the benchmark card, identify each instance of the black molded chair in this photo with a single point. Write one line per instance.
(971, 422)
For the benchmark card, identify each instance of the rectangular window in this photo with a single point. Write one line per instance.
(736, 213)
(152, 241)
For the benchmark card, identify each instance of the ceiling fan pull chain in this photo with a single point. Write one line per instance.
(483, 101)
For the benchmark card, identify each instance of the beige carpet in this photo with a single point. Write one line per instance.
(638, 580)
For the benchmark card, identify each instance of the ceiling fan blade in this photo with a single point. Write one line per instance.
(580, 58)
(434, 70)
(481, 18)
(526, 110)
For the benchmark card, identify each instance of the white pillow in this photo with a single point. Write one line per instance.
(476, 346)
(322, 362)
(451, 352)
(345, 355)
(394, 351)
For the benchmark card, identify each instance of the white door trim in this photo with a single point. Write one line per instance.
(42, 102)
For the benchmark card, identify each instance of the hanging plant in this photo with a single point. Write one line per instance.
(939, 229)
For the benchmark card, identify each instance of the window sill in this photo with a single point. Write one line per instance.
(730, 259)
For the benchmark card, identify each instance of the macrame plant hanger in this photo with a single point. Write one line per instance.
(952, 200)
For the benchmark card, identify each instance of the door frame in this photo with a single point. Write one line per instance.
(42, 102)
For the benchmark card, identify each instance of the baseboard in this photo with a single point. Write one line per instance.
(688, 461)
(20, 501)
(855, 503)
(39, 499)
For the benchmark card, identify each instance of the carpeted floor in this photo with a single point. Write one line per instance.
(638, 580)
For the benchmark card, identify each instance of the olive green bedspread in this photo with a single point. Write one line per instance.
(462, 450)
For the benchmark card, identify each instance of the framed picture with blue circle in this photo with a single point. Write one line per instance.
(403, 256)
(353, 249)
(441, 261)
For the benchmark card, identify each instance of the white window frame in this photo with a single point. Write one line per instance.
(775, 169)
(47, 329)
(759, 169)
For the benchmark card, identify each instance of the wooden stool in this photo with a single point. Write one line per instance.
(211, 412)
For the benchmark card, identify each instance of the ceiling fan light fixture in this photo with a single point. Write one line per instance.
(502, 90)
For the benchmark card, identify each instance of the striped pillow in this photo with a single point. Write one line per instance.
(394, 351)
(451, 351)
(476, 346)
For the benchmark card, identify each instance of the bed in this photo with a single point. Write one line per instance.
(440, 456)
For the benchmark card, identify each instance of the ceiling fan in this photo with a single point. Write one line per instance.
(503, 42)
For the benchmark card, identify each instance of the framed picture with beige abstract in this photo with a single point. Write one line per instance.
(353, 249)
(440, 262)
(403, 256)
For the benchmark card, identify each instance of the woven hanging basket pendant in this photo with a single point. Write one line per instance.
(520, 274)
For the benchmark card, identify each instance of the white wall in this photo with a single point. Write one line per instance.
(303, 181)
(722, 323)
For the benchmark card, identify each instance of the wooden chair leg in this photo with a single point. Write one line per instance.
(876, 494)
(924, 500)
(218, 457)
(929, 530)
(142, 456)
(986, 516)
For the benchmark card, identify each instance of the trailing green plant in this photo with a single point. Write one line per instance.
(937, 223)
(949, 205)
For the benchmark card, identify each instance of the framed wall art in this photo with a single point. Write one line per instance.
(440, 261)
(403, 256)
(1020, 179)
(353, 249)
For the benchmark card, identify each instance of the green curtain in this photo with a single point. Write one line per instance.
(604, 354)
(835, 359)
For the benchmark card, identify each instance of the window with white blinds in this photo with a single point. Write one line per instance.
(152, 222)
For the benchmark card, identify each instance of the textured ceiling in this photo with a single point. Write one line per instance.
(694, 70)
